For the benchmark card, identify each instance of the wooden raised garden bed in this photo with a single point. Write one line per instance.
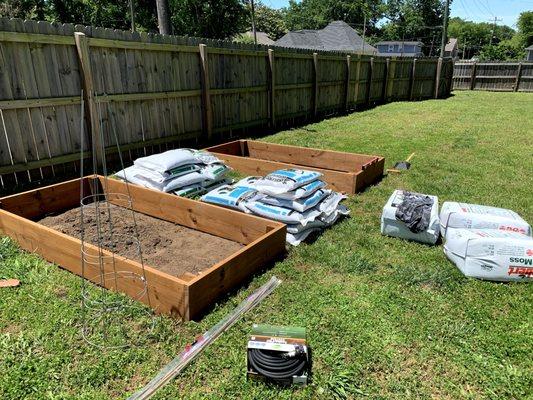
(344, 172)
(257, 241)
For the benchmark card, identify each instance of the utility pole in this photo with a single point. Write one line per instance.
(493, 32)
(132, 12)
(253, 21)
(163, 16)
(444, 29)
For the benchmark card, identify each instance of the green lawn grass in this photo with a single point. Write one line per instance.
(386, 318)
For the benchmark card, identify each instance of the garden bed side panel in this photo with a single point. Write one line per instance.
(217, 281)
(229, 224)
(168, 294)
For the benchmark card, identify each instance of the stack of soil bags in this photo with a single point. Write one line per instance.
(185, 172)
(487, 242)
(298, 198)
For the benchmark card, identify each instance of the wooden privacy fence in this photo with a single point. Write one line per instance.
(496, 76)
(153, 91)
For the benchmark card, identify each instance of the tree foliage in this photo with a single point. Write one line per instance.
(316, 14)
(525, 28)
(415, 20)
(269, 20)
(475, 37)
(218, 19)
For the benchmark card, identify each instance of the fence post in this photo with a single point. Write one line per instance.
(385, 88)
(315, 84)
(207, 113)
(357, 78)
(518, 73)
(272, 83)
(412, 78)
(347, 87)
(473, 76)
(369, 81)
(82, 47)
(437, 77)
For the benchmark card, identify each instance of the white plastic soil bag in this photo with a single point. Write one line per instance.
(215, 171)
(474, 216)
(285, 180)
(491, 254)
(164, 163)
(147, 178)
(392, 226)
(236, 197)
(200, 188)
(282, 214)
(300, 205)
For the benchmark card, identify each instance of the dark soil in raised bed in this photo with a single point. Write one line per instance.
(169, 247)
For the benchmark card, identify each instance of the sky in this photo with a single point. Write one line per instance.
(473, 10)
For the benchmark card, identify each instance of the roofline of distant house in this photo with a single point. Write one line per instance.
(398, 42)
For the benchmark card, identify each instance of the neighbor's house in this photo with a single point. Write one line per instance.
(262, 37)
(529, 53)
(452, 48)
(337, 36)
(400, 48)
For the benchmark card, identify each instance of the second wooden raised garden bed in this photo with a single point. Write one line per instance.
(344, 172)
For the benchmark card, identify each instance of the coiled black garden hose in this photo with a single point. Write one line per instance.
(276, 364)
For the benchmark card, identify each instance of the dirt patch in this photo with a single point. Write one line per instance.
(169, 247)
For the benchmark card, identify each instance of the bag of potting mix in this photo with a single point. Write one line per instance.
(237, 197)
(285, 180)
(301, 204)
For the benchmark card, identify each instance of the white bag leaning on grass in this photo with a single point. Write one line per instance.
(491, 254)
(474, 216)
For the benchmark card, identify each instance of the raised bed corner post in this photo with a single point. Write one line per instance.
(207, 112)
(315, 84)
(437, 77)
(517, 81)
(272, 88)
(82, 47)
(347, 86)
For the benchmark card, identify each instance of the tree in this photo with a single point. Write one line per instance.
(163, 16)
(217, 19)
(415, 20)
(268, 20)
(525, 28)
(506, 50)
(474, 36)
(316, 14)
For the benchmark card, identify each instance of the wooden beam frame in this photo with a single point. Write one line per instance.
(344, 172)
(184, 297)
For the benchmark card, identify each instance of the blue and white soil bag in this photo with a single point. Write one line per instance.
(237, 197)
(491, 254)
(285, 180)
(282, 214)
(301, 204)
(474, 216)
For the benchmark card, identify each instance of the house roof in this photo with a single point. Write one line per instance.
(337, 36)
(451, 45)
(262, 37)
(413, 43)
